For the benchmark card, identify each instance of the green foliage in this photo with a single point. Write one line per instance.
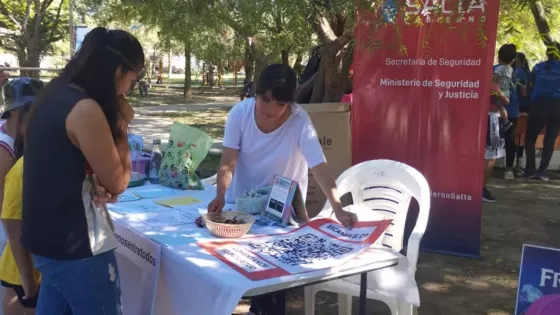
(274, 25)
(29, 28)
(517, 26)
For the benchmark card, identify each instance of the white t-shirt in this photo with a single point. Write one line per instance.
(288, 151)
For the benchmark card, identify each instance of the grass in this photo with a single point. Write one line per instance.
(212, 120)
(162, 97)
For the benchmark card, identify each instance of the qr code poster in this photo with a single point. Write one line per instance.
(320, 244)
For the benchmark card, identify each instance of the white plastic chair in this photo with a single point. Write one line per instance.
(210, 181)
(386, 187)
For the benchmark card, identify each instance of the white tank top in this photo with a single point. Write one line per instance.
(7, 143)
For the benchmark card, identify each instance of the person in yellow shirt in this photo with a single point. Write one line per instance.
(17, 273)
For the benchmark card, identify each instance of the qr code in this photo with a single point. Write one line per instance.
(304, 249)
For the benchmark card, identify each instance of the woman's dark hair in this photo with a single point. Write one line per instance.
(93, 69)
(280, 80)
(524, 62)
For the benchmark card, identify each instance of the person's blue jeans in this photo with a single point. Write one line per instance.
(88, 286)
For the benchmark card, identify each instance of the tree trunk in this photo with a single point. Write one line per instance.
(187, 89)
(235, 73)
(249, 63)
(31, 61)
(261, 62)
(204, 74)
(298, 67)
(169, 65)
(286, 56)
(220, 74)
(211, 81)
(542, 23)
(332, 78)
(336, 56)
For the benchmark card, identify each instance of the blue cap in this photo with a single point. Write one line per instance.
(19, 92)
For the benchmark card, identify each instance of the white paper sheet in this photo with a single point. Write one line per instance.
(154, 191)
(139, 206)
(170, 217)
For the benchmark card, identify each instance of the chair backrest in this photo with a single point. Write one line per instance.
(387, 187)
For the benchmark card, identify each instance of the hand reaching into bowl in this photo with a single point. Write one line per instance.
(217, 205)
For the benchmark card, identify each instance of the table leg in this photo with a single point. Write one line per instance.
(281, 303)
(269, 304)
(363, 296)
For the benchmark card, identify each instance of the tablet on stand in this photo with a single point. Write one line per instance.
(285, 204)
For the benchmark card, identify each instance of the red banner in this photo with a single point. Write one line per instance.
(421, 96)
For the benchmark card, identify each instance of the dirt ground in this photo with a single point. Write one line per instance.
(526, 212)
(160, 96)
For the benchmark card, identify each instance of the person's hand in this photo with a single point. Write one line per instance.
(217, 204)
(30, 288)
(504, 114)
(348, 219)
(102, 196)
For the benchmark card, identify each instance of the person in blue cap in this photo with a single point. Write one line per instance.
(17, 95)
(17, 274)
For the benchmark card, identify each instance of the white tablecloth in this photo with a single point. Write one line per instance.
(192, 281)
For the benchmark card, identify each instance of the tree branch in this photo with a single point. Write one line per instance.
(7, 47)
(322, 28)
(343, 40)
(4, 9)
(26, 19)
(56, 22)
(542, 23)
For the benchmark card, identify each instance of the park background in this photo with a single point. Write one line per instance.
(231, 39)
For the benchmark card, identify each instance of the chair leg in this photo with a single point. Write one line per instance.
(344, 304)
(309, 299)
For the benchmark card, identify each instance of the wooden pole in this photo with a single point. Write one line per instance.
(71, 27)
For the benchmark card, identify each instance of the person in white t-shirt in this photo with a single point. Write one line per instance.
(271, 135)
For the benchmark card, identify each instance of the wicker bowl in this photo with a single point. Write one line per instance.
(228, 230)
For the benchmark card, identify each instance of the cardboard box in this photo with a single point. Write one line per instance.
(333, 124)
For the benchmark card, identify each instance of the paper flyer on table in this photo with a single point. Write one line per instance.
(127, 196)
(162, 219)
(153, 191)
(139, 206)
(320, 244)
(178, 201)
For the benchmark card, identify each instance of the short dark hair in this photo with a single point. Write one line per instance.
(280, 80)
(507, 53)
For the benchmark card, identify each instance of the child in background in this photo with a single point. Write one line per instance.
(503, 75)
(17, 273)
(498, 95)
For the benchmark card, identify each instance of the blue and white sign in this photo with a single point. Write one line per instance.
(81, 32)
(539, 276)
